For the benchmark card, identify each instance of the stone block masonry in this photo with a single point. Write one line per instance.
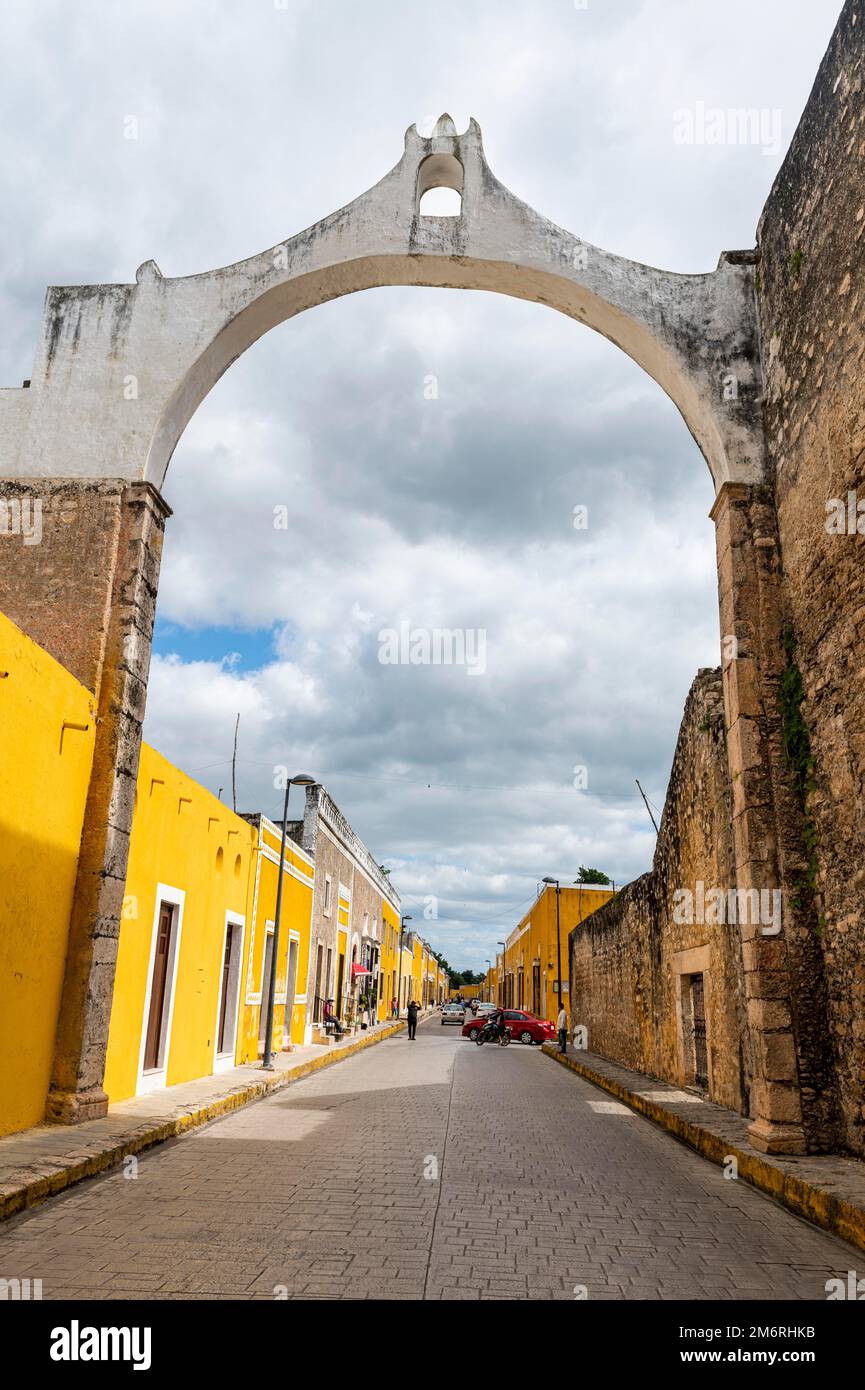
(811, 299)
(630, 961)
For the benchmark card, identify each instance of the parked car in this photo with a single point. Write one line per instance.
(521, 1025)
(452, 1013)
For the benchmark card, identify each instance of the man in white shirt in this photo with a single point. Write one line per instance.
(562, 1027)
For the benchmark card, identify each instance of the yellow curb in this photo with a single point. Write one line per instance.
(815, 1204)
(22, 1196)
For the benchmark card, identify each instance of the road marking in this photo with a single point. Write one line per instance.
(609, 1107)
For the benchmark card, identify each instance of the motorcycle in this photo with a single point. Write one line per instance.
(490, 1033)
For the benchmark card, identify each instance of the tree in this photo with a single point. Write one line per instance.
(591, 876)
(466, 977)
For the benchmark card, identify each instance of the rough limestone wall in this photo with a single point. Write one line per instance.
(811, 294)
(623, 985)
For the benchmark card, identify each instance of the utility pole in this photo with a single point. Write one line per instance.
(233, 770)
(402, 922)
(648, 808)
(267, 1060)
(558, 936)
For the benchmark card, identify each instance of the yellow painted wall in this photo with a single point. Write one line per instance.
(417, 971)
(535, 939)
(389, 964)
(183, 837)
(186, 839)
(295, 915)
(44, 775)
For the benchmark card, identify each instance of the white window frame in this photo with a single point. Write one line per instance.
(327, 910)
(224, 1061)
(288, 1010)
(154, 1079)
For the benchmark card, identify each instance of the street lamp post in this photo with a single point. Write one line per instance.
(402, 922)
(300, 780)
(502, 944)
(558, 937)
(489, 972)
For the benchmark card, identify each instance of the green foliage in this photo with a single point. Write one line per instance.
(466, 977)
(796, 261)
(591, 876)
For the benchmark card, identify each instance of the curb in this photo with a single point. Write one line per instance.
(21, 1196)
(815, 1204)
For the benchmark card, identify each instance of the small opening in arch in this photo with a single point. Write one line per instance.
(441, 202)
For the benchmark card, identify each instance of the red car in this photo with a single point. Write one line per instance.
(522, 1026)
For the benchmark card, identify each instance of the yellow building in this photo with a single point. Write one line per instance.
(389, 976)
(292, 1019)
(47, 732)
(196, 932)
(527, 976)
(196, 938)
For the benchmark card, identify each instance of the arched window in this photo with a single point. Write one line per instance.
(440, 186)
(441, 202)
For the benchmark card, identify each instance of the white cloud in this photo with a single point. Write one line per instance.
(255, 121)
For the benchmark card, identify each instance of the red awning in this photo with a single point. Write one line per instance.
(357, 970)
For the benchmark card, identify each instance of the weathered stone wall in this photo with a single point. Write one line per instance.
(811, 294)
(627, 958)
(58, 590)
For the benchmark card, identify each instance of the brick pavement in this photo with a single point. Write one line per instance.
(329, 1190)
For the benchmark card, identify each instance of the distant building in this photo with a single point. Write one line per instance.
(526, 975)
(354, 911)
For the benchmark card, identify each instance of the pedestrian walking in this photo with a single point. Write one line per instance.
(562, 1026)
(412, 1019)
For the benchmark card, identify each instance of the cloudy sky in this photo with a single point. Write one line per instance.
(253, 120)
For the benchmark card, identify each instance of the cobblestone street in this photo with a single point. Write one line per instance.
(433, 1169)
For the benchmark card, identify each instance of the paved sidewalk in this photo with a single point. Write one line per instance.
(828, 1190)
(40, 1162)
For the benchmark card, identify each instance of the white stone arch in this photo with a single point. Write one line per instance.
(121, 369)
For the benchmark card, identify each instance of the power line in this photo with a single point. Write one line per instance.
(546, 787)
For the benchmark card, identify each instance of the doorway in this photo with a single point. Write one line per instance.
(339, 983)
(154, 1042)
(266, 973)
(291, 985)
(229, 993)
(158, 1009)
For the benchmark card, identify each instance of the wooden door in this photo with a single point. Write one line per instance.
(153, 1043)
(698, 1020)
(223, 996)
(265, 986)
(339, 984)
(290, 990)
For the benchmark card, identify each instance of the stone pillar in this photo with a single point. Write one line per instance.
(86, 592)
(82, 1035)
(752, 661)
